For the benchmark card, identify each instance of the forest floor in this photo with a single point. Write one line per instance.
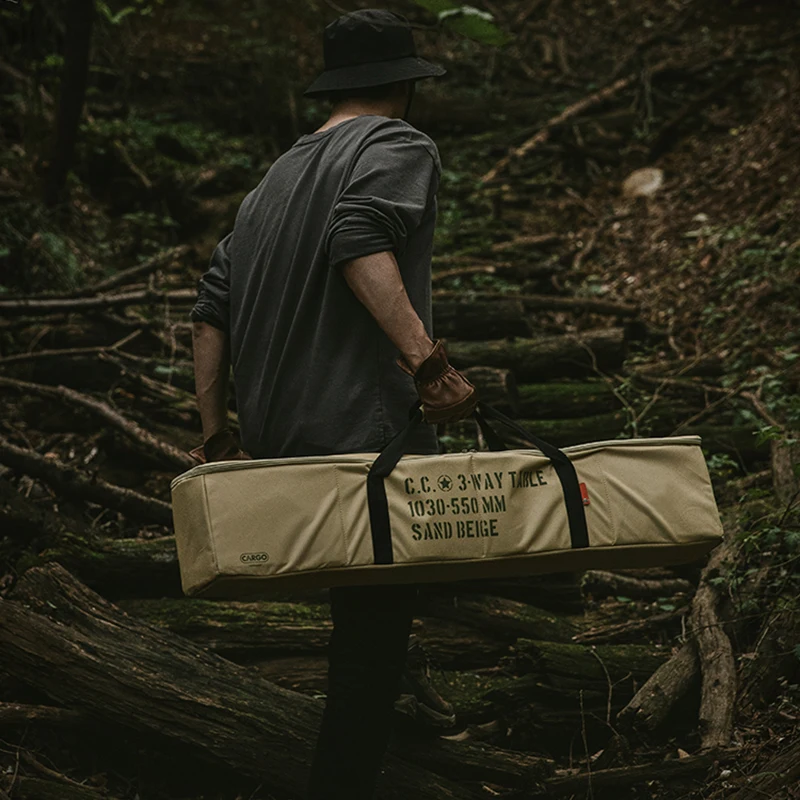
(626, 153)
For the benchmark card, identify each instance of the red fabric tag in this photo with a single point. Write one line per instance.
(584, 494)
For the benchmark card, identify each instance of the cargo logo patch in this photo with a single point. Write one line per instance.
(254, 558)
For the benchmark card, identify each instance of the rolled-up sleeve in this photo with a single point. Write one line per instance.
(213, 289)
(392, 182)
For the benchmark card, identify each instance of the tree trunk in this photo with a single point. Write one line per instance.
(78, 41)
(68, 642)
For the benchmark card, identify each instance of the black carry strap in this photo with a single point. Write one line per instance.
(384, 464)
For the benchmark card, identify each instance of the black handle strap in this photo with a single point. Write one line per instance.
(387, 460)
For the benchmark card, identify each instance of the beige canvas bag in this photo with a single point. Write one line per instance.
(246, 527)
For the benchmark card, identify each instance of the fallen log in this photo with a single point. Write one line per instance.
(497, 387)
(479, 319)
(715, 655)
(774, 658)
(509, 271)
(79, 649)
(26, 788)
(559, 432)
(539, 302)
(148, 443)
(618, 778)
(630, 631)
(559, 592)
(560, 400)
(58, 305)
(452, 645)
(116, 567)
(502, 619)
(652, 704)
(546, 357)
(575, 666)
(527, 241)
(599, 583)
(550, 689)
(24, 521)
(298, 673)
(250, 632)
(785, 462)
(781, 771)
(77, 484)
(138, 270)
(600, 96)
(239, 629)
(706, 657)
(22, 714)
(477, 761)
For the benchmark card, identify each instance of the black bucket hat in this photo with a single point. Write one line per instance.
(368, 48)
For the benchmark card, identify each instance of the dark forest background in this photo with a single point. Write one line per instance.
(617, 255)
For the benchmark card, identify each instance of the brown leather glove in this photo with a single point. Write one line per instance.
(445, 393)
(220, 446)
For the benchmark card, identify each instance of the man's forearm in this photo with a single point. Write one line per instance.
(211, 372)
(377, 283)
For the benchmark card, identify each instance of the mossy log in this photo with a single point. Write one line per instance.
(502, 619)
(477, 761)
(250, 632)
(551, 689)
(559, 591)
(573, 666)
(559, 400)
(117, 567)
(599, 583)
(612, 781)
(495, 319)
(737, 441)
(544, 357)
(497, 387)
(70, 643)
(239, 629)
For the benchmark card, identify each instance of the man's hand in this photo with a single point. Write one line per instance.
(445, 393)
(222, 446)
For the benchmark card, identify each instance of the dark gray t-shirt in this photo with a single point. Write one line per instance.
(313, 371)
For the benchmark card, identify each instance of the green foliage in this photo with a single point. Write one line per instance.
(467, 21)
(44, 257)
(142, 8)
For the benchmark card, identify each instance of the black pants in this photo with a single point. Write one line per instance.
(367, 654)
